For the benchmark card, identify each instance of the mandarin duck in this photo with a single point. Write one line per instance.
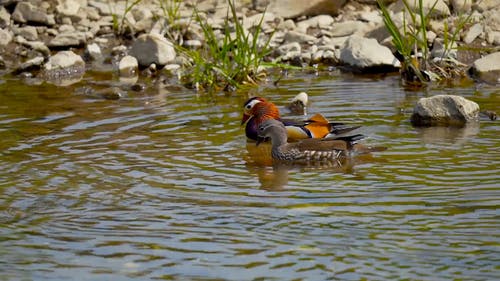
(308, 150)
(257, 110)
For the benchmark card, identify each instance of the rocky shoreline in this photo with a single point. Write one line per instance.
(57, 39)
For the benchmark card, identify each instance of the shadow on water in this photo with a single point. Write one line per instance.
(162, 184)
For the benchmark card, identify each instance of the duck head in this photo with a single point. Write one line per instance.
(274, 130)
(260, 108)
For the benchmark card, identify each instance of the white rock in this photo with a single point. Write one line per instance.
(290, 47)
(5, 37)
(4, 17)
(296, 8)
(256, 19)
(473, 33)
(371, 17)
(64, 60)
(347, 28)
(287, 25)
(320, 21)
(128, 66)
(68, 7)
(493, 37)
(364, 53)
(28, 32)
(192, 44)
(488, 68)
(439, 10)
(294, 36)
(27, 65)
(94, 51)
(152, 48)
(68, 39)
(444, 110)
(38, 46)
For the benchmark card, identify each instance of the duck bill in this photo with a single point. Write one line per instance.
(245, 118)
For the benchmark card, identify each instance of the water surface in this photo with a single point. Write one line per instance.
(160, 184)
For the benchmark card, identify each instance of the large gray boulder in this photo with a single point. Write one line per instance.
(487, 68)
(444, 110)
(297, 8)
(152, 48)
(364, 53)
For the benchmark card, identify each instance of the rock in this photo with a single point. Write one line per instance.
(486, 5)
(473, 33)
(254, 20)
(364, 53)
(287, 48)
(28, 32)
(66, 28)
(371, 17)
(104, 8)
(4, 17)
(347, 28)
(64, 63)
(492, 36)
(128, 66)
(68, 8)
(487, 68)
(461, 6)
(321, 21)
(297, 8)
(27, 12)
(5, 37)
(34, 63)
(38, 46)
(444, 110)
(192, 44)
(68, 39)
(287, 25)
(172, 68)
(152, 48)
(294, 36)
(94, 51)
(439, 10)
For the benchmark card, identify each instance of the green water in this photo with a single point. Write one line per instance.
(162, 184)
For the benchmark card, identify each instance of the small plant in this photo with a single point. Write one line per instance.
(119, 27)
(411, 44)
(228, 62)
(171, 13)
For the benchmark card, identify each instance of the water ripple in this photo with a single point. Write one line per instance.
(166, 187)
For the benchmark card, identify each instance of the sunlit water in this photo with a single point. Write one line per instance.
(161, 185)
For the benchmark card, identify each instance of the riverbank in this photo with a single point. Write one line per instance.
(139, 40)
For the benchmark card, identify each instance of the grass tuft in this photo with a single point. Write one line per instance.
(412, 44)
(229, 61)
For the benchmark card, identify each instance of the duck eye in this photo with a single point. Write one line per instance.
(248, 106)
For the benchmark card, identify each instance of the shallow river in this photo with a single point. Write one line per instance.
(162, 184)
